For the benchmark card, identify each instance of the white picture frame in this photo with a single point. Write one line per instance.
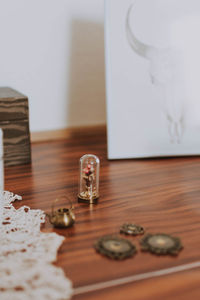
(152, 78)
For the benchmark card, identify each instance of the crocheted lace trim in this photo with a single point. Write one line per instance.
(26, 255)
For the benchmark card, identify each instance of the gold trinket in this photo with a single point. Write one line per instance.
(131, 229)
(161, 244)
(62, 217)
(115, 247)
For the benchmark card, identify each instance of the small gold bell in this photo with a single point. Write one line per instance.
(62, 217)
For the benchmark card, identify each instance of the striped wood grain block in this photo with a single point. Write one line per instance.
(14, 120)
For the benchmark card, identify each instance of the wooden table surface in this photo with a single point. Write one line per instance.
(163, 195)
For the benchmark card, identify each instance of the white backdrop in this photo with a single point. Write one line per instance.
(53, 51)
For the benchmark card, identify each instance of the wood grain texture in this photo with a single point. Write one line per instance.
(13, 105)
(14, 120)
(179, 286)
(160, 194)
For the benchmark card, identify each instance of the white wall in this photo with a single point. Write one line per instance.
(53, 51)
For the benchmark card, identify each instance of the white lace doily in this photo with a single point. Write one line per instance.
(26, 255)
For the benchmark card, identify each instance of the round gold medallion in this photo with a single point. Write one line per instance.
(131, 229)
(115, 247)
(161, 244)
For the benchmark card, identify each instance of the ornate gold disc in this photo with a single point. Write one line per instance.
(115, 247)
(161, 244)
(131, 229)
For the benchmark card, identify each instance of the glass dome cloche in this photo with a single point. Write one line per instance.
(89, 179)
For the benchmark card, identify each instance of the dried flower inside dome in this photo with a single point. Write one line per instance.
(88, 170)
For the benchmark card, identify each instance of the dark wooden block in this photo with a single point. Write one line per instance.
(14, 120)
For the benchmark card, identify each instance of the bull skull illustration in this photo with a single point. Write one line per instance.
(166, 74)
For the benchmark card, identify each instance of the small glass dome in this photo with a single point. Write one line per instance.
(89, 179)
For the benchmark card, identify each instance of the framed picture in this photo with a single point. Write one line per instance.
(152, 77)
